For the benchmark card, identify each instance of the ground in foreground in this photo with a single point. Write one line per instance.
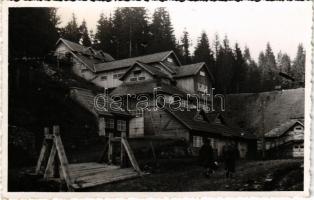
(185, 175)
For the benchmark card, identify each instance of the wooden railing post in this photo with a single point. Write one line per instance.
(131, 155)
(43, 150)
(122, 155)
(62, 157)
(110, 148)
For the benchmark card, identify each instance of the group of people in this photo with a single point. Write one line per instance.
(229, 156)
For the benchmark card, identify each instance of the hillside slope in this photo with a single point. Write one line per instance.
(245, 110)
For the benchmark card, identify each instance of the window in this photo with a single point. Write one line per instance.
(141, 78)
(139, 113)
(214, 143)
(169, 59)
(110, 123)
(202, 87)
(202, 73)
(136, 72)
(103, 78)
(121, 125)
(84, 70)
(133, 79)
(298, 129)
(116, 76)
(197, 141)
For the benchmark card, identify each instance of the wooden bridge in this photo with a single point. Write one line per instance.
(53, 164)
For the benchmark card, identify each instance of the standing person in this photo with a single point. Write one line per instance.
(230, 154)
(206, 156)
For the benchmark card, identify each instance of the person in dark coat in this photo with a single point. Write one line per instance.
(230, 154)
(206, 156)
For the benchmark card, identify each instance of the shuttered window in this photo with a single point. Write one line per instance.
(121, 125)
(197, 141)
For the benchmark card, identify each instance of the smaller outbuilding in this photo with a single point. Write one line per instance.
(286, 140)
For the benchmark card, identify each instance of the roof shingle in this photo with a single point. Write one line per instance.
(124, 63)
(283, 128)
(146, 87)
(188, 118)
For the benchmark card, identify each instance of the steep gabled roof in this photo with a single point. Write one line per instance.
(283, 128)
(191, 70)
(72, 45)
(189, 120)
(124, 63)
(86, 99)
(152, 70)
(91, 56)
(146, 87)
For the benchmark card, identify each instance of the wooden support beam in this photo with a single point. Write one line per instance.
(131, 155)
(43, 150)
(122, 155)
(62, 157)
(103, 155)
(110, 148)
(49, 172)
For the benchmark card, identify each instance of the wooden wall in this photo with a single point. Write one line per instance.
(110, 82)
(136, 127)
(186, 84)
(162, 123)
(142, 74)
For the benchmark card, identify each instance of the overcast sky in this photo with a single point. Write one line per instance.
(283, 24)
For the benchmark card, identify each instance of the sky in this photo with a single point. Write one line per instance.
(283, 24)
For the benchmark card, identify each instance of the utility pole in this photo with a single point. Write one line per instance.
(130, 41)
(263, 128)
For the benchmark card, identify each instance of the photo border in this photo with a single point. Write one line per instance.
(308, 106)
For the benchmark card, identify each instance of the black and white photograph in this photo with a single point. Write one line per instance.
(181, 97)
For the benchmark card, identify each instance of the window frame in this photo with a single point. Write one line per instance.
(197, 141)
(121, 125)
(104, 78)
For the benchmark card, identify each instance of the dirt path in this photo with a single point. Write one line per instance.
(250, 176)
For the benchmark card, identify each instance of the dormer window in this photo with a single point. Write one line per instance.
(84, 70)
(170, 60)
(202, 73)
(102, 53)
(116, 76)
(91, 50)
(137, 72)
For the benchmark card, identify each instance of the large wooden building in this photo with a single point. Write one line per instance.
(139, 76)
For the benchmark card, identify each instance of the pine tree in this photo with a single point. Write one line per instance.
(284, 65)
(186, 45)
(252, 74)
(203, 53)
(104, 35)
(225, 67)
(71, 31)
(216, 45)
(239, 70)
(85, 39)
(161, 30)
(269, 70)
(298, 66)
(130, 32)
(247, 55)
